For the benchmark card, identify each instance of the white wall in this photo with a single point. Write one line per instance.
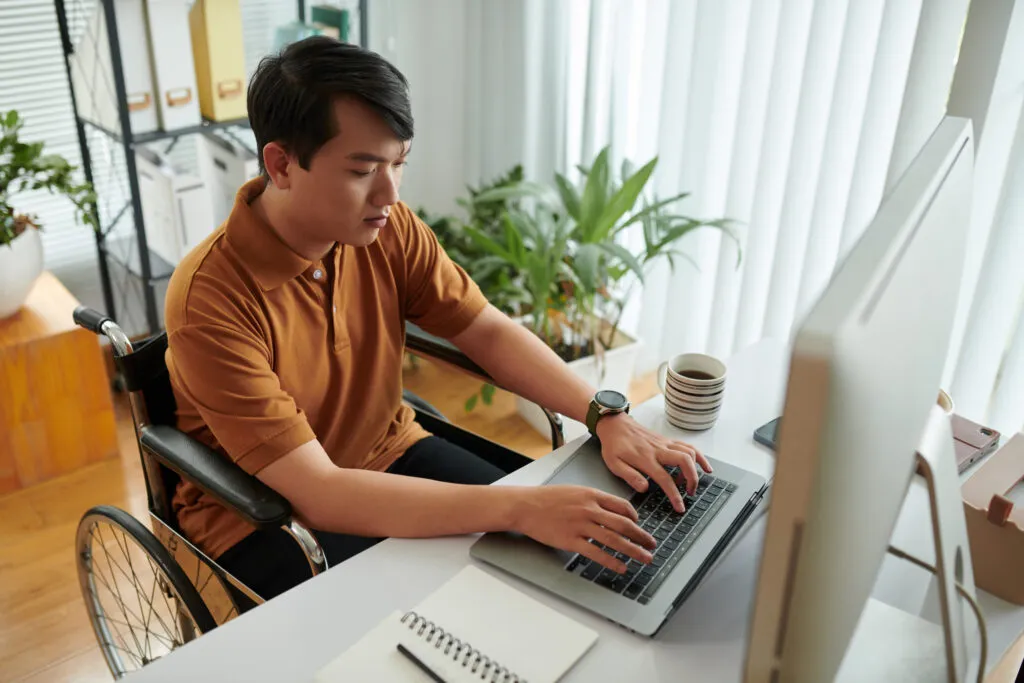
(427, 42)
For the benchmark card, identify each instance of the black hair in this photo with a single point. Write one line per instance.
(291, 94)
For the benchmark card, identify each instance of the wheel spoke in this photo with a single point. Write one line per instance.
(116, 590)
(172, 610)
(168, 642)
(139, 590)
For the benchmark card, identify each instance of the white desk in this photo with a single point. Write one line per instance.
(292, 636)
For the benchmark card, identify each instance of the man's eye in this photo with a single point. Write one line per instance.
(362, 174)
(400, 164)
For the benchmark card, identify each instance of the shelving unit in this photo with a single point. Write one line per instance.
(127, 266)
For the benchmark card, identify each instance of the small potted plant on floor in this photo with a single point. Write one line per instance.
(572, 268)
(23, 167)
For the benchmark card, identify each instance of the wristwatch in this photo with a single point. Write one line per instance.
(605, 402)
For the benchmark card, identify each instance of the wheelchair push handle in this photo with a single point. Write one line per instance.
(90, 319)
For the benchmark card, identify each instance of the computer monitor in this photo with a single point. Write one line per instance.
(865, 371)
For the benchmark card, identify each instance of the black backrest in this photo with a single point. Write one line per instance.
(145, 375)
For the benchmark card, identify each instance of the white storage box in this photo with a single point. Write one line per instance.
(174, 72)
(93, 74)
(225, 168)
(176, 207)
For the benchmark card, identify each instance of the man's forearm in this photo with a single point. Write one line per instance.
(523, 364)
(369, 503)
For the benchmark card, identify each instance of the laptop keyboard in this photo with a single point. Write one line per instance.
(674, 532)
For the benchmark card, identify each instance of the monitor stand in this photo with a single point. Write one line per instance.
(893, 644)
(936, 465)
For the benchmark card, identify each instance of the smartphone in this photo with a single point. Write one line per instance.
(766, 434)
(971, 441)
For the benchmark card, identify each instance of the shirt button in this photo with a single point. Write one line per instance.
(335, 309)
(317, 274)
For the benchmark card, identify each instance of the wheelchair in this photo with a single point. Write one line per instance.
(148, 589)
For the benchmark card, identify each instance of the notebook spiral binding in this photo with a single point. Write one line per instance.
(460, 651)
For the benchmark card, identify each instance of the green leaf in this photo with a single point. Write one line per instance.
(570, 197)
(628, 259)
(488, 244)
(513, 239)
(623, 200)
(676, 252)
(595, 196)
(627, 168)
(586, 263)
(521, 190)
(652, 209)
(471, 403)
(487, 393)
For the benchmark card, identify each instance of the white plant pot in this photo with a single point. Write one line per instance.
(617, 366)
(21, 263)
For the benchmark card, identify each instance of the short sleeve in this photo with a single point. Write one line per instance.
(440, 296)
(224, 371)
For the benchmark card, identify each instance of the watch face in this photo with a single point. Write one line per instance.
(611, 399)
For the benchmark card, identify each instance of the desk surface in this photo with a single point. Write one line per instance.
(292, 636)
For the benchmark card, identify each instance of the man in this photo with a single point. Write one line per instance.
(286, 331)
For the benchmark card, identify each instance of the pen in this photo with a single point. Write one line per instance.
(418, 662)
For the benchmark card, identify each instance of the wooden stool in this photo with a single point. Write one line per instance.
(56, 413)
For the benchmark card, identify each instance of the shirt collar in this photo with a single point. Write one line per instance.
(265, 255)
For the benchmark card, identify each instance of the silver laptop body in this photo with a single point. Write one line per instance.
(560, 572)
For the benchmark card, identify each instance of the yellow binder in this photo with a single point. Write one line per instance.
(216, 27)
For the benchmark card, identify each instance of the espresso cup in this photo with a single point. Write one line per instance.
(693, 385)
(692, 372)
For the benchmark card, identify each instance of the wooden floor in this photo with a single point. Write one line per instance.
(44, 632)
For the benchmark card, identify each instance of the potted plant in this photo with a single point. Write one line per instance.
(23, 166)
(572, 269)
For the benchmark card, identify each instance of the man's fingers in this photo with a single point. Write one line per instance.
(629, 474)
(617, 505)
(591, 551)
(620, 543)
(663, 479)
(703, 462)
(625, 527)
(692, 451)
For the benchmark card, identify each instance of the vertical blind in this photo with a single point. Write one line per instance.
(791, 117)
(34, 82)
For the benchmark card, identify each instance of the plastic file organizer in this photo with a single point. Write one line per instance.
(174, 73)
(217, 48)
(91, 69)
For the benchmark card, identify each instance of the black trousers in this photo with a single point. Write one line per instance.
(270, 562)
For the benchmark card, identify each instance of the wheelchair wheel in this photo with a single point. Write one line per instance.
(139, 600)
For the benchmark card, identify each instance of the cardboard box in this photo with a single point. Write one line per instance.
(995, 526)
(225, 168)
(216, 27)
(174, 71)
(92, 71)
(176, 207)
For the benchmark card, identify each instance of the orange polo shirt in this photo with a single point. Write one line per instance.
(268, 350)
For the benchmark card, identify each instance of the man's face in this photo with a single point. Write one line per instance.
(352, 182)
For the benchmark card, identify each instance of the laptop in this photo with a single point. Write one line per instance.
(645, 597)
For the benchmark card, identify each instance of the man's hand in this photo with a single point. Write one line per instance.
(567, 517)
(631, 451)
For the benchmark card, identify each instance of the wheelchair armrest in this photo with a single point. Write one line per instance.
(424, 344)
(256, 502)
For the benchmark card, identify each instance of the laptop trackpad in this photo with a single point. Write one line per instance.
(586, 467)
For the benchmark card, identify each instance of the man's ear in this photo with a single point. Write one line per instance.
(277, 162)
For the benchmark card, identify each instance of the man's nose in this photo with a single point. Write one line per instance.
(385, 193)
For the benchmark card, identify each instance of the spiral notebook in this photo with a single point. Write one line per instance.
(473, 628)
